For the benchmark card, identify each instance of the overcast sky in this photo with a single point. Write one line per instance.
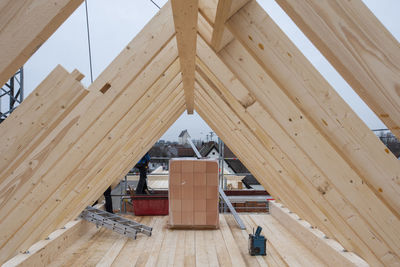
(113, 23)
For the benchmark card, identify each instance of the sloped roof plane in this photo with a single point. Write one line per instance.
(230, 62)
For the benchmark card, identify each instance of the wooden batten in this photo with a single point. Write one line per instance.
(25, 26)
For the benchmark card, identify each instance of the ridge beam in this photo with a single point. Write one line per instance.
(185, 14)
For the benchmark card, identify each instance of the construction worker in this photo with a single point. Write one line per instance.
(143, 166)
(107, 196)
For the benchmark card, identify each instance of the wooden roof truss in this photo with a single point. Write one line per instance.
(229, 61)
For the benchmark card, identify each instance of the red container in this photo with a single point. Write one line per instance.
(154, 204)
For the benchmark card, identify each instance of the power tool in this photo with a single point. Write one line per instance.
(257, 243)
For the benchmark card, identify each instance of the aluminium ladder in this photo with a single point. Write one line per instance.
(114, 222)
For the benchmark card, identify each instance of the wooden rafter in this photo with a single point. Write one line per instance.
(281, 183)
(109, 99)
(253, 104)
(242, 142)
(20, 41)
(125, 153)
(185, 20)
(361, 49)
(112, 160)
(66, 92)
(266, 101)
(318, 101)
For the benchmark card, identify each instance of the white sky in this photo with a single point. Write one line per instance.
(114, 23)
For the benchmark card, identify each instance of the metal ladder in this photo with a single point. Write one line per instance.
(114, 222)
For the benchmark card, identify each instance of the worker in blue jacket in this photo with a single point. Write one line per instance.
(143, 166)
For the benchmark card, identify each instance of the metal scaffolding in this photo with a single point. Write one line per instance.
(12, 94)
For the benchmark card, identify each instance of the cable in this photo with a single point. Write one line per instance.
(155, 4)
(88, 38)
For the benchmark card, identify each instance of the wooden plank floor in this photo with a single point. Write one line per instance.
(226, 246)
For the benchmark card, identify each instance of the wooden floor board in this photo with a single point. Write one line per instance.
(233, 249)
(227, 246)
(132, 249)
(222, 252)
(273, 258)
(288, 246)
(145, 253)
(190, 249)
(201, 252)
(211, 249)
(167, 251)
(243, 247)
(112, 253)
(158, 239)
(180, 249)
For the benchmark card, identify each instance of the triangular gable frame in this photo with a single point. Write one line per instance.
(256, 91)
